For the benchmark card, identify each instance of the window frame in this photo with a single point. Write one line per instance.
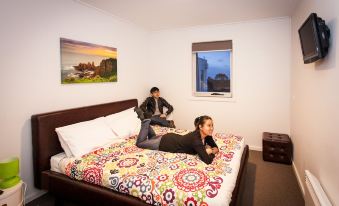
(211, 94)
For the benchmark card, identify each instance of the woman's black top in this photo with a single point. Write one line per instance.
(190, 143)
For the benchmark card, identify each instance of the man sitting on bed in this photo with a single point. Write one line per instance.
(153, 108)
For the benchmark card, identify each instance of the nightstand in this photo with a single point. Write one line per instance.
(12, 196)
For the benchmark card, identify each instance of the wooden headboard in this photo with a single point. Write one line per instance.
(45, 140)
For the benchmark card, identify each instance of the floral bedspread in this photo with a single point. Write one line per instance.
(161, 178)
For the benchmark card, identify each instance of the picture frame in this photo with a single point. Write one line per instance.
(83, 62)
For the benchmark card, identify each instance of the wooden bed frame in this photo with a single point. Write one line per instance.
(46, 144)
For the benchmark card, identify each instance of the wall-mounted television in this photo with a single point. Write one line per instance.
(314, 38)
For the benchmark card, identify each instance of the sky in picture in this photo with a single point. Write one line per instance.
(75, 52)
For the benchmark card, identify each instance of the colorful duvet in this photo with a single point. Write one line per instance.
(161, 178)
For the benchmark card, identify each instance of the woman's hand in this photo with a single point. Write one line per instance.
(209, 150)
(215, 150)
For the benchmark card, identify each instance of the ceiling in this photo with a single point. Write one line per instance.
(169, 14)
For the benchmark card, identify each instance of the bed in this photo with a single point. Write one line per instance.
(46, 145)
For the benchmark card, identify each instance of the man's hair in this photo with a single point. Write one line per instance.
(201, 121)
(154, 89)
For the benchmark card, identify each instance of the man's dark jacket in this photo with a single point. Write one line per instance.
(149, 105)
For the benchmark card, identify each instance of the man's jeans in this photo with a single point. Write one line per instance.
(156, 119)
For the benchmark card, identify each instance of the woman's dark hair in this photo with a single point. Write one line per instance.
(154, 89)
(201, 121)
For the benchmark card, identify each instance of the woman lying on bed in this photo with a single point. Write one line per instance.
(198, 142)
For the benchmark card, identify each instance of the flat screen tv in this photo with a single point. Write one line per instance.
(314, 38)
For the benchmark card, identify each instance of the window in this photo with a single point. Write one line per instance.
(212, 69)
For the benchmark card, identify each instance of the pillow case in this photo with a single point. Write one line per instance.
(64, 146)
(124, 124)
(83, 137)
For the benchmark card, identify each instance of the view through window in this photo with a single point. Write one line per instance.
(212, 68)
(213, 71)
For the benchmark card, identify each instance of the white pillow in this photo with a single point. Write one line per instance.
(83, 137)
(125, 123)
(64, 146)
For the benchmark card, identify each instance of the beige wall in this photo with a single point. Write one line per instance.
(314, 102)
(261, 61)
(30, 67)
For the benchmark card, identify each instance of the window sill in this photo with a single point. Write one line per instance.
(212, 99)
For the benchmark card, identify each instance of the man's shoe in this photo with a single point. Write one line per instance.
(171, 124)
(140, 113)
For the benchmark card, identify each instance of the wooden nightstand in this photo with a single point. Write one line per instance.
(12, 196)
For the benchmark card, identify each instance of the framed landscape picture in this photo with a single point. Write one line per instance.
(83, 62)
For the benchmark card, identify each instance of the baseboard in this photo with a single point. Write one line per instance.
(34, 196)
(256, 148)
(299, 180)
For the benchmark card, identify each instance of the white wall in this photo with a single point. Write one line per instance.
(30, 67)
(315, 100)
(261, 66)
